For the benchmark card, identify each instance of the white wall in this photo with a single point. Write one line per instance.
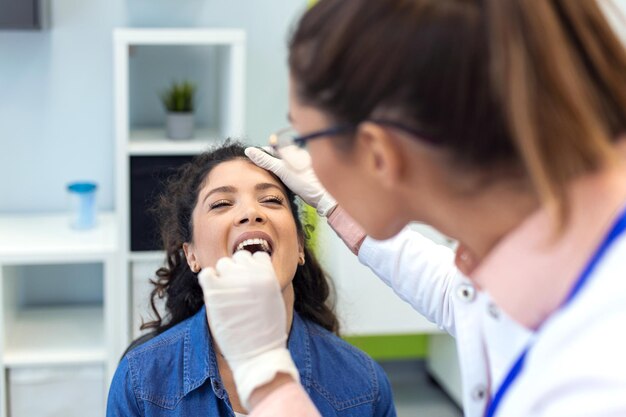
(616, 12)
(56, 122)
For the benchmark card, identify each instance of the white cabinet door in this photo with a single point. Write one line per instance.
(365, 305)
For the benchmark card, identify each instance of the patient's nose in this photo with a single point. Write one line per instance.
(251, 214)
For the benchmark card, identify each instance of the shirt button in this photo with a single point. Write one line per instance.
(493, 311)
(217, 386)
(479, 393)
(466, 292)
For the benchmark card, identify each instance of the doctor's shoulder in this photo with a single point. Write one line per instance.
(341, 379)
(578, 364)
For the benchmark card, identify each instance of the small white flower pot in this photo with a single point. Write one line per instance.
(179, 125)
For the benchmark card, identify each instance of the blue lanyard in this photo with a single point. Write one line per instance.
(618, 228)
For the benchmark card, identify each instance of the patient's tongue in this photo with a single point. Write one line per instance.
(254, 248)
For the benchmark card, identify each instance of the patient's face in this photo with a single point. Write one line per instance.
(241, 206)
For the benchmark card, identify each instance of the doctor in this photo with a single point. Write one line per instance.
(499, 122)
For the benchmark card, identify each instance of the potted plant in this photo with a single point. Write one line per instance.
(179, 104)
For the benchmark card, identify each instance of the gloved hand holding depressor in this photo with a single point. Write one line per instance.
(247, 317)
(304, 183)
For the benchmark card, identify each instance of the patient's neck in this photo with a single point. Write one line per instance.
(225, 372)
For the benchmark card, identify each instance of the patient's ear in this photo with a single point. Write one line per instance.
(301, 244)
(190, 255)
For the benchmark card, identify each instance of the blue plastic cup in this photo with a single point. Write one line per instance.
(83, 195)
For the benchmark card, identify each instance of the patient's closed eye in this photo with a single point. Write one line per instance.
(272, 199)
(220, 203)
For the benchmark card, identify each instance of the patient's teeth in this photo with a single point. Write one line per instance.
(256, 241)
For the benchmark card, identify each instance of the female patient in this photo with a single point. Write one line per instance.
(219, 204)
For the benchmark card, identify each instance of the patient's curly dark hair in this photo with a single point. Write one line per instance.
(179, 285)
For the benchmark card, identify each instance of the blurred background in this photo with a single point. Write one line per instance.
(87, 91)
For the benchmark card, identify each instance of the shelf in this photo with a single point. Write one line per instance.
(147, 256)
(49, 238)
(54, 336)
(179, 36)
(153, 142)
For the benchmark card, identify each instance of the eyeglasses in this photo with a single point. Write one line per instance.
(291, 146)
(288, 136)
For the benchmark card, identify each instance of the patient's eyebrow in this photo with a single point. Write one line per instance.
(223, 189)
(263, 186)
(267, 185)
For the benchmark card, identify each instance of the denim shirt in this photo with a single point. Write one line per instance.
(176, 374)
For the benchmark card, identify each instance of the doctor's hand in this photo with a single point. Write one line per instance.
(303, 182)
(247, 317)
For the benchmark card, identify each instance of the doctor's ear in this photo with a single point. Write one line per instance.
(382, 153)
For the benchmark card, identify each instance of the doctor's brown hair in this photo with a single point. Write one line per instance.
(179, 286)
(533, 88)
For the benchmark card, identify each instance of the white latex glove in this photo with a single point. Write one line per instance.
(247, 317)
(303, 182)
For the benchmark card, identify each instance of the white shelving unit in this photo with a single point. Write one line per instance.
(58, 335)
(224, 50)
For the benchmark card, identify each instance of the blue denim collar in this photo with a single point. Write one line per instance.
(200, 362)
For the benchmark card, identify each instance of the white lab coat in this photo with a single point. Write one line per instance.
(579, 343)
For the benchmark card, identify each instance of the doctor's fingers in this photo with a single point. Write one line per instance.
(262, 259)
(206, 278)
(261, 158)
(212, 281)
(252, 262)
(240, 268)
(231, 266)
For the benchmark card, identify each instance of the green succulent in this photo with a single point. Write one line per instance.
(179, 97)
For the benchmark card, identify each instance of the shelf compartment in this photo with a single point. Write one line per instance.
(146, 63)
(148, 177)
(142, 272)
(68, 391)
(54, 336)
(39, 238)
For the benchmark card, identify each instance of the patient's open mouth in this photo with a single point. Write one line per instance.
(255, 245)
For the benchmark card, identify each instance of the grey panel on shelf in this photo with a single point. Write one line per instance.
(62, 284)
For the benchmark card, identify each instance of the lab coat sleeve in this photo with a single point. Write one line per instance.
(122, 400)
(419, 271)
(287, 401)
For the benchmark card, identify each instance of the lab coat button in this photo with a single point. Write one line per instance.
(479, 393)
(493, 311)
(466, 292)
